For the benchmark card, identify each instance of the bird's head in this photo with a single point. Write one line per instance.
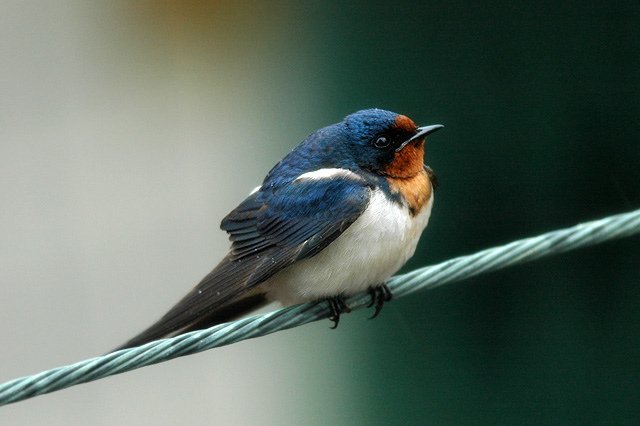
(386, 143)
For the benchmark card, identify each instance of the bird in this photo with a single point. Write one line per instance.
(339, 214)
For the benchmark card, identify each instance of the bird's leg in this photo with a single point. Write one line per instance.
(379, 295)
(337, 306)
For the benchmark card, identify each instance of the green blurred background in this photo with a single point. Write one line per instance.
(129, 129)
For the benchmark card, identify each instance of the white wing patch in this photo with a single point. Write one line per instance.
(256, 189)
(329, 173)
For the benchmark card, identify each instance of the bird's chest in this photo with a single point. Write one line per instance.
(372, 249)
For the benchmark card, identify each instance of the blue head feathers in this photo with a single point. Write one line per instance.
(366, 124)
(366, 139)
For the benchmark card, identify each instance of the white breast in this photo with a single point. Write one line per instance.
(372, 249)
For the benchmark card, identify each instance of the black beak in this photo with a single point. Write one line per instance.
(421, 133)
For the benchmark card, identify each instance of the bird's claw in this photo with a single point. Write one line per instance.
(337, 306)
(379, 295)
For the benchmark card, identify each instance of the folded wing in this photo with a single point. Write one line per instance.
(269, 231)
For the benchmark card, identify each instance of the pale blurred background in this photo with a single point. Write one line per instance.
(129, 129)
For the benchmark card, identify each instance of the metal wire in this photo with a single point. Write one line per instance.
(429, 277)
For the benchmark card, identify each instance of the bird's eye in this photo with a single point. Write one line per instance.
(381, 142)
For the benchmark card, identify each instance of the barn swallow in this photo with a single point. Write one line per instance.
(339, 214)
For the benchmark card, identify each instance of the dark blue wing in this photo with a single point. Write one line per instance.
(269, 231)
(303, 217)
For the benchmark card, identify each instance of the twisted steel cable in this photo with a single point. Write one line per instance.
(589, 233)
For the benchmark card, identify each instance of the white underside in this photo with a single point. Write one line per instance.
(370, 251)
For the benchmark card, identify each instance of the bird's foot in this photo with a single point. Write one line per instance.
(337, 306)
(379, 295)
